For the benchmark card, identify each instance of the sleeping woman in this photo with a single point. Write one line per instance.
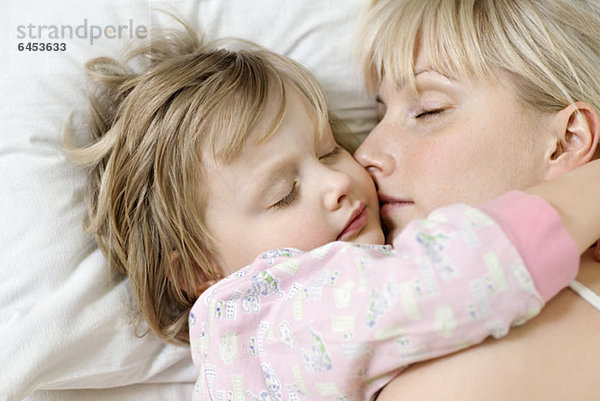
(477, 98)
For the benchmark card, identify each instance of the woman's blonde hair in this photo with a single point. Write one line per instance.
(151, 126)
(550, 47)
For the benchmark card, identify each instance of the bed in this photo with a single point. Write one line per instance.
(66, 326)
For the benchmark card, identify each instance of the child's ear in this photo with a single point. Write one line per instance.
(176, 277)
(576, 139)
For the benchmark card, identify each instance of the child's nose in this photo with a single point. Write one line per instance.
(338, 185)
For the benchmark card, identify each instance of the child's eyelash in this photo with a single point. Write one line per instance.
(293, 194)
(336, 151)
(289, 198)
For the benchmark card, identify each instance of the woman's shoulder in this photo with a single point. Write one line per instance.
(555, 356)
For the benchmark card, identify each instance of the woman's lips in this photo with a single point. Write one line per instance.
(387, 204)
(356, 222)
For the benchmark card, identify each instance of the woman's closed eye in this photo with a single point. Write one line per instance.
(288, 199)
(429, 113)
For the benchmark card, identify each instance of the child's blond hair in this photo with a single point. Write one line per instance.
(550, 47)
(151, 127)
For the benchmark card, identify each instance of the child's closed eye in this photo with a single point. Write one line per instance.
(335, 152)
(289, 198)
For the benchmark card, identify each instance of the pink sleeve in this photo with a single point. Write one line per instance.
(535, 229)
(344, 319)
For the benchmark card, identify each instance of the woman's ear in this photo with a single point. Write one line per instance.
(576, 140)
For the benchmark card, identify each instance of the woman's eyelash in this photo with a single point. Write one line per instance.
(289, 198)
(429, 113)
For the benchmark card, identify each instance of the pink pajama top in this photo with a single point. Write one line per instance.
(340, 321)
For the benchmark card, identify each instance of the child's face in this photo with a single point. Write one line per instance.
(294, 190)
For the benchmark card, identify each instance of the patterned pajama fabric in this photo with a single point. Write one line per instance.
(340, 321)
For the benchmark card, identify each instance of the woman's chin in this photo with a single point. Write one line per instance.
(396, 222)
(393, 233)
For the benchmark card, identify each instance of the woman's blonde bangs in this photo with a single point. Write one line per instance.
(394, 33)
(549, 48)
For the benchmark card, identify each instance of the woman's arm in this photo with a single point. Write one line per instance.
(576, 196)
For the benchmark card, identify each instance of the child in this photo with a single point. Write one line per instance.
(207, 158)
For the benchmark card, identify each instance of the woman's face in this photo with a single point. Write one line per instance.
(453, 140)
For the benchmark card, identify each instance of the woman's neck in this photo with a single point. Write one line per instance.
(589, 271)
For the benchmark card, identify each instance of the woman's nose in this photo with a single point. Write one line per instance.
(337, 186)
(374, 153)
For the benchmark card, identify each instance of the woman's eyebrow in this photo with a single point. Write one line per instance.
(419, 72)
(434, 71)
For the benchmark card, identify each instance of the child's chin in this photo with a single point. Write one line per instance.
(373, 237)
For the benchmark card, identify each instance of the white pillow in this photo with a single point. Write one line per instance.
(63, 323)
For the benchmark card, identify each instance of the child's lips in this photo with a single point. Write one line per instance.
(355, 223)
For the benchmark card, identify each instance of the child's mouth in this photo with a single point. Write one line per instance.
(357, 221)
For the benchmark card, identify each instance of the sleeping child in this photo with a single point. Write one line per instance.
(217, 186)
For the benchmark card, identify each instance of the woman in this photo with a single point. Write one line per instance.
(477, 98)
